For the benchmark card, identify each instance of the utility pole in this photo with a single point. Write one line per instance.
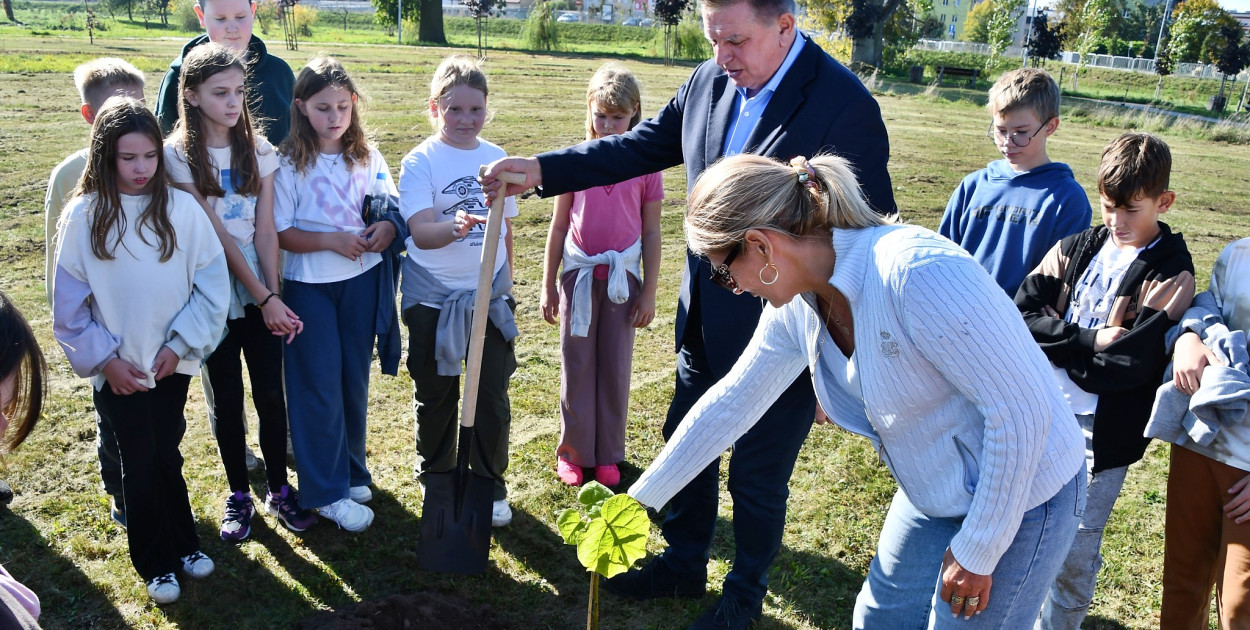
(1163, 25)
(399, 23)
(1031, 19)
(1243, 92)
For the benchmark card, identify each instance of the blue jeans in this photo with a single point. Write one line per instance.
(1073, 591)
(326, 369)
(902, 588)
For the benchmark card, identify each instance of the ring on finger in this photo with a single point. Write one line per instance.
(973, 601)
(957, 599)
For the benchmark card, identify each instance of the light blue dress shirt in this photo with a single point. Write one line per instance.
(747, 111)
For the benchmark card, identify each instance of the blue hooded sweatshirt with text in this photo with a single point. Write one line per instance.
(1008, 220)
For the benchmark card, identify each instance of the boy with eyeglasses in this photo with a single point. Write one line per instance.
(1008, 214)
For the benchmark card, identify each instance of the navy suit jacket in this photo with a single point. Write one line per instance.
(819, 107)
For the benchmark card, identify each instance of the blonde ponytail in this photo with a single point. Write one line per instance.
(802, 198)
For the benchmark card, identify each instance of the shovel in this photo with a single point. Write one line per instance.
(455, 517)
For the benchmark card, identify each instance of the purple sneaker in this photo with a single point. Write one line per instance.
(237, 523)
(285, 506)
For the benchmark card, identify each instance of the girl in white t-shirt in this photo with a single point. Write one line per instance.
(138, 300)
(337, 280)
(442, 202)
(216, 155)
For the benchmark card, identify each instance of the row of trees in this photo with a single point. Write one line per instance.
(869, 22)
(1200, 31)
(147, 9)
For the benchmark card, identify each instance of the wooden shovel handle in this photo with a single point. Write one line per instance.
(481, 301)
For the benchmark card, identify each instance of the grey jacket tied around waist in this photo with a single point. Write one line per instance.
(240, 297)
(1221, 401)
(451, 338)
(619, 263)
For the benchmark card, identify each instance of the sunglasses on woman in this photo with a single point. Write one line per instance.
(720, 273)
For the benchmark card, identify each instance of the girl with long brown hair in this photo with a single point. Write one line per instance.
(139, 298)
(338, 278)
(216, 155)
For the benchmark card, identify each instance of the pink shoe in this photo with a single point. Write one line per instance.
(608, 475)
(568, 473)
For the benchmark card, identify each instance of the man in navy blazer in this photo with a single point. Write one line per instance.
(770, 91)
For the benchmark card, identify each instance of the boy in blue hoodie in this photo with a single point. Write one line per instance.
(1008, 214)
(269, 78)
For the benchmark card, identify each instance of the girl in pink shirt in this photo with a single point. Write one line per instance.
(603, 237)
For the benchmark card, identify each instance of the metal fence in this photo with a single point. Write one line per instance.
(946, 45)
(1112, 62)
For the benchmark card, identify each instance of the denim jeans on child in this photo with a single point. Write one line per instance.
(1073, 591)
(326, 371)
(902, 588)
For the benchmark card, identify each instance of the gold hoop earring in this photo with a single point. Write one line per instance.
(776, 274)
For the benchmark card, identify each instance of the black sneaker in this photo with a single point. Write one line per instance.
(285, 507)
(730, 613)
(656, 580)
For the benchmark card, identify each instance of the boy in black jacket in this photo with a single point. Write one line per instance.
(1099, 305)
(270, 82)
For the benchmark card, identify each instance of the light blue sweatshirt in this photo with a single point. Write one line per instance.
(952, 391)
(1008, 220)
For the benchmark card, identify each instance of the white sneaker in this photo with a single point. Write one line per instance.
(361, 494)
(164, 589)
(348, 514)
(198, 565)
(500, 513)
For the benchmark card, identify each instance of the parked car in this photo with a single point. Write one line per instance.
(634, 21)
(647, 22)
(569, 16)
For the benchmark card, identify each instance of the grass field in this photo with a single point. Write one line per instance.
(57, 537)
(42, 18)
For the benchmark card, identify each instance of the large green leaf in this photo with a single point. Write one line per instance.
(617, 539)
(571, 526)
(592, 495)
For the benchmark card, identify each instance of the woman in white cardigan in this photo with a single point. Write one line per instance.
(912, 345)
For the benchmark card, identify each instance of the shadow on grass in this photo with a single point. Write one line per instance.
(557, 597)
(383, 562)
(818, 586)
(240, 578)
(1095, 622)
(69, 599)
(379, 561)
